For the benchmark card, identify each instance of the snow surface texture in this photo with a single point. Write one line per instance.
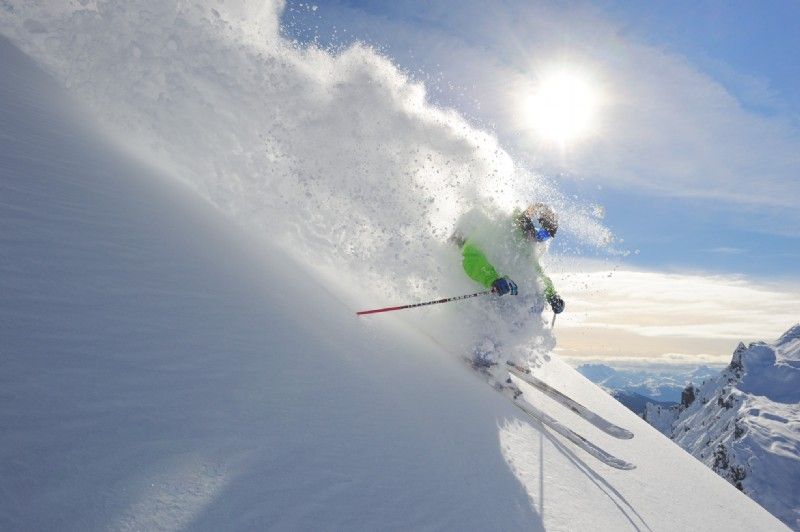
(164, 369)
(745, 424)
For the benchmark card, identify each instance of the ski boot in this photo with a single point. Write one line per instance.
(512, 388)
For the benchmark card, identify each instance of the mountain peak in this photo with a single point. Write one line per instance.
(790, 336)
(736, 365)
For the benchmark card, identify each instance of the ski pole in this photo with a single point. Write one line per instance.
(446, 300)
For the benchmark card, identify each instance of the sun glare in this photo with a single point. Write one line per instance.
(562, 107)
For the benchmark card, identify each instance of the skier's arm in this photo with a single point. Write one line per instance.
(477, 266)
(556, 303)
(549, 288)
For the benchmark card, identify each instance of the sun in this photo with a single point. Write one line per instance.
(562, 107)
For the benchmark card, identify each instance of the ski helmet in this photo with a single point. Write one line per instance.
(538, 222)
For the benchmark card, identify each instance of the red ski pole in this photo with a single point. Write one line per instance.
(446, 300)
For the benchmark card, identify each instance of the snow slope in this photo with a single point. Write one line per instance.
(160, 371)
(164, 368)
(745, 424)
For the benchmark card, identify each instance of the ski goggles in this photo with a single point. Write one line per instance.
(534, 232)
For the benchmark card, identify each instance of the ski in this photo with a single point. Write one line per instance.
(602, 455)
(598, 421)
(516, 397)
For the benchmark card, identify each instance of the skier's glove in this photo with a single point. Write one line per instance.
(556, 303)
(504, 285)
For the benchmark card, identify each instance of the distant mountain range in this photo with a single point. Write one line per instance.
(637, 402)
(635, 386)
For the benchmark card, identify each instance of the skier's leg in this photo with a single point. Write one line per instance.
(486, 352)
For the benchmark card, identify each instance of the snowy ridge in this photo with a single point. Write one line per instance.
(788, 346)
(166, 369)
(745, 424)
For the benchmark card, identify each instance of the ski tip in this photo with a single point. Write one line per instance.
(621, 434)
(625, 466)
(517, 368)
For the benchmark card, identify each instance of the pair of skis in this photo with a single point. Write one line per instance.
(595, 419)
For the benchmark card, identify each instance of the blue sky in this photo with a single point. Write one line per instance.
(705, 216)
(751, 38)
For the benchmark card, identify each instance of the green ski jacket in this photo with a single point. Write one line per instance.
(478, 268)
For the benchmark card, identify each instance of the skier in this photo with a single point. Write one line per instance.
(516, 245)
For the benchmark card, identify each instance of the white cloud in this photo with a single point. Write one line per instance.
(726, 250)
(666, 362)
(669, 317)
